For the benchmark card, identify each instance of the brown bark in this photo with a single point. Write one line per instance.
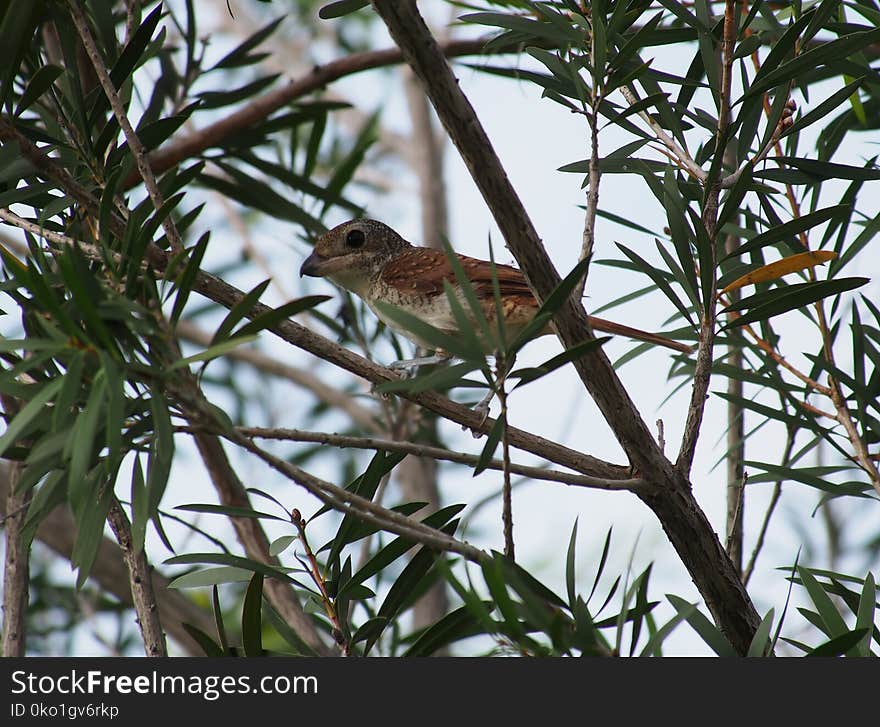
(669, 493)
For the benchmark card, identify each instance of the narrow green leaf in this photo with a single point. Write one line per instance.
(229, 511)
(456, 625)
(601, 567)
(704, 627)
(341, 7)
(865, 615)
(840, 645)
(212, 577)
(218, 619)
(209, 354)
(834, 625)
(253, 566)
(140, 505)
(239, 311)
(554, 302)
(789, 231)
(205, 642)
(492, 440)
(91, 512)
(238, 56)
(790, 297)
(829, 170)
(279, 545)
(252, 617)
(660, 281)
(812, 59)
(82, 439)
(187, 277)
(760, 645)
(397, 548)
(161, 451)
(527, 375)
(825, 108)
(570, 565)
(39, 83)
(653, 647)
(407, 582)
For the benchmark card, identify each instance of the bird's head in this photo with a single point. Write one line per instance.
(352, 253)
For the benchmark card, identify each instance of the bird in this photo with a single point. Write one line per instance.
(371, 260)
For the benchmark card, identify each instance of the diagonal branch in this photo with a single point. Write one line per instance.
(667, 492)
(298, 335)
(137, 148)
(360, 507)
(409, 31)
(260, 108)
(703, 364)
(440, 453)
(140, 579)
(335, 397)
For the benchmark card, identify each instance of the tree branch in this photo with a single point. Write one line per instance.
(366, 510)
(140, 582)
(228, 296)
(260, 108)
(667, 493)
(16, 563)
(138, 150)
(703, 364)
(336, 398)
(57, 531)
(425, 450)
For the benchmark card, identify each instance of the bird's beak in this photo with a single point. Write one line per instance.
(312, 266)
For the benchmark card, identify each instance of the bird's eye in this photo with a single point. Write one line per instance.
(355, 238)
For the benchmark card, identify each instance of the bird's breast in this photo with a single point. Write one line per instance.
(436, 310)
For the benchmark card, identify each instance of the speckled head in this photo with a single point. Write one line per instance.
(352, 253)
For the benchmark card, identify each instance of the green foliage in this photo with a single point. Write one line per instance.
(98, 394)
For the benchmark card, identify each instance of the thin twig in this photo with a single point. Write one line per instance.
(137, 148)
(315, 572)
(260, 108)
(736, 445)
(360, 507)
(439, 453)
(588, 237)
(506, 487)
(771, 507)
(703, 364)
(685, 161)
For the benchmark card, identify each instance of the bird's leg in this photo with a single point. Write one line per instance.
(483, 406)
(411, 364)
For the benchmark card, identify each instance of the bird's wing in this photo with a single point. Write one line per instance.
(422, 270)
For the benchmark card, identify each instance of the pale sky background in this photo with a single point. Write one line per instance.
(533, 137)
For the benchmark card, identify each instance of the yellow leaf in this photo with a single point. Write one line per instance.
(787, 265)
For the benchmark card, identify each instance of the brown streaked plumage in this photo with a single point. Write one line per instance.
(375, 263)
